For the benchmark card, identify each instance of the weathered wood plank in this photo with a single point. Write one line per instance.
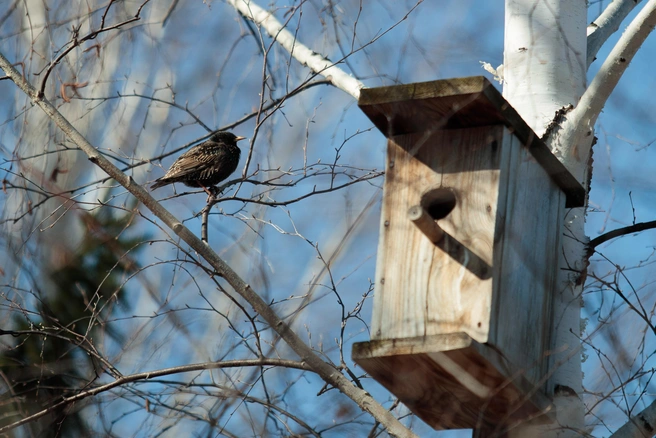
(527, 254)
(450, 387)
(424, 288)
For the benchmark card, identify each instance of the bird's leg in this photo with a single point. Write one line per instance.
(210, 195)
(206, 189)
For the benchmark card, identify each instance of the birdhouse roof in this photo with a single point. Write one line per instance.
(460, 103)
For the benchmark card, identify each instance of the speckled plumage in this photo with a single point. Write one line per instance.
(206, 164)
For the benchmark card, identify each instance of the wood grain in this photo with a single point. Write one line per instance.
(450, 383)
(422, 288)
(529, 232)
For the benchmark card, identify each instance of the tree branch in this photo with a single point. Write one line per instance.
(571, 143)
(620, 232)
(304, 55)
(642, 425)
(607, 24)
(152, 374)
(325, 370)
(75, 42)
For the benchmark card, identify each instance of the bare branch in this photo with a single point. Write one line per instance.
(303, 54)
(614, 67)
(606, 25)
(620, 232)
(577, 128)
(152, 374)
(639, 426)
(329, 373)
(75, 42)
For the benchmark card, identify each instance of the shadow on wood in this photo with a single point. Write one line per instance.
(470, 388)
(441, 202)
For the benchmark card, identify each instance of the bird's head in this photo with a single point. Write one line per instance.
(226, 137)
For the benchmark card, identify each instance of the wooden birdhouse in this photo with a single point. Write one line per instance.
(472, 214)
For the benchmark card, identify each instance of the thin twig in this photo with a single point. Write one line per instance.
(156, 373)
(328, 372)
(75, 42)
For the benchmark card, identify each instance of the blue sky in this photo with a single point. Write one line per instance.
(438, 40)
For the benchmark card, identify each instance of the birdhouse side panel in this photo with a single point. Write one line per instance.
(424, 288)
(529, 230)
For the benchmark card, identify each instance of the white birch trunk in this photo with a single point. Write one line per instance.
(544, 71)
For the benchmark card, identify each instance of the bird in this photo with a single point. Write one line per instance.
(205, 165)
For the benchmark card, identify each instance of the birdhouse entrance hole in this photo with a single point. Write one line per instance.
(438, 203)
(435, 204)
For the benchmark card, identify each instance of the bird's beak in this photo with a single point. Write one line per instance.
(240, 138)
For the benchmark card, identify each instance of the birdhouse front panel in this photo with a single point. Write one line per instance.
(425, 288)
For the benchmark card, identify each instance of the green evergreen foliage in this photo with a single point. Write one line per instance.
(53, 352)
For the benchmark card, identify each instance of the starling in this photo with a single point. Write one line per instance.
(206, 164)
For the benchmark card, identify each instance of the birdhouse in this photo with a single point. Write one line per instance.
(472, 216)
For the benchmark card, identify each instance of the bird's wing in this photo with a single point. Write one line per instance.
(192, 161)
